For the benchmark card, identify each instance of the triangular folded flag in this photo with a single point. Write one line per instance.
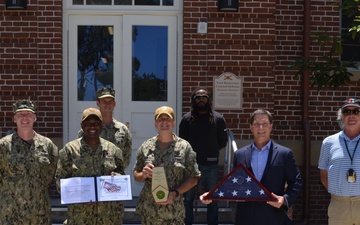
(240, 185)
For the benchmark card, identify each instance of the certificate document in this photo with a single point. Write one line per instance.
(114, 188)
(93, 189)
(77, 190)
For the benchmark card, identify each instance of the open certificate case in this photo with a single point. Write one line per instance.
(95, 189)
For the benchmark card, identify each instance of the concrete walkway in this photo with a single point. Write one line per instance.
(59, 213)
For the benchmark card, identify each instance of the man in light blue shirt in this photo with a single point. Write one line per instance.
(274, 166)
(259, 158)
(339, 163)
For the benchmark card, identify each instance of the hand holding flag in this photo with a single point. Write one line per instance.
(239, 185)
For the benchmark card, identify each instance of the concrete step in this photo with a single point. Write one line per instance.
(59, 213)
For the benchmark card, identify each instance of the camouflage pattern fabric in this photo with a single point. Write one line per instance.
(77, 159)
(26, 171)
(157, 221)
(118, 134)
(179, 161)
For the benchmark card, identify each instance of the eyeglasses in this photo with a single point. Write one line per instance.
(201, 96)
(347, 112)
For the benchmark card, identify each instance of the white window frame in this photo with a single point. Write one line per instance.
(177, 7)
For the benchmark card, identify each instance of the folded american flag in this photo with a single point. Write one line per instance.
(240, 185)
(110, 187)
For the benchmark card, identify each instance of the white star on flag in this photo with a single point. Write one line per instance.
(240, 184)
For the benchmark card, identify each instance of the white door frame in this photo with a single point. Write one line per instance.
(72, 108)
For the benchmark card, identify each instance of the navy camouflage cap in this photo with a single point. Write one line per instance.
(24, 105)
(105, 92)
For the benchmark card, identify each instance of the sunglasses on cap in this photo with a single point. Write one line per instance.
(201, 96)
(347, 112)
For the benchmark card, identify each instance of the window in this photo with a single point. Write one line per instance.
(351, 47)
(95, 60)
(124, 2)
(149, 63)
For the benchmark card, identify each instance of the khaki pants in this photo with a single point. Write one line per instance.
(344, 210)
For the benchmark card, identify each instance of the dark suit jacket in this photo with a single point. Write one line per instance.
(280, 169)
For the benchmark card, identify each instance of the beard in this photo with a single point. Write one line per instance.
(201, 107)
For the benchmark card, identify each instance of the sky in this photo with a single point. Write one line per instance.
(151, 49)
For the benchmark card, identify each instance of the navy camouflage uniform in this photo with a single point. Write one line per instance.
(77, 159)
(179, 161)
(26, 171)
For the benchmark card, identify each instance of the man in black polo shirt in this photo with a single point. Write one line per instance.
(205, 130)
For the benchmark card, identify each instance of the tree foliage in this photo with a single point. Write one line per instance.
(94, 43)
(327, 69)
(352, 11)
(146, 87)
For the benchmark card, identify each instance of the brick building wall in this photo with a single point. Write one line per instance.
(31, 63)
(258, 43)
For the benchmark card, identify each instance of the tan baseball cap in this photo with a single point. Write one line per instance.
(164, 110)
(91, 111)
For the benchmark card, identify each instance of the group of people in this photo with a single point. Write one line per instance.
(30, 161)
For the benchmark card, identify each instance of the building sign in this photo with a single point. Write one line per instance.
(227, 91)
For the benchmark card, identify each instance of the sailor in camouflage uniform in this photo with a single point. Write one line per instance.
(181, 170)
(113, 130)
(27, 167)
(91, 156)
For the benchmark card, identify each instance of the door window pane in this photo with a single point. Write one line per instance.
(149, 63)
(168, 2)
(78, 2)
(147, 2)
(122, 2)
(98, 2)
(94, 60)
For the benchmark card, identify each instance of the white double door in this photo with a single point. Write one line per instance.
(135, 55)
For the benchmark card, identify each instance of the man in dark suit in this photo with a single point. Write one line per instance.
(275, 167)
